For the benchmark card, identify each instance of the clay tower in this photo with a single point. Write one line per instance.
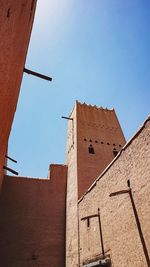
(94, 138)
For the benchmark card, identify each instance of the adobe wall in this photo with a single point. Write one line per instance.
(100, 129)
(88, 124)
(32, 220)
(16, 19)
(72, 194)
(120, 233)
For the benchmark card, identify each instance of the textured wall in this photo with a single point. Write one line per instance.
(72, 195)
(99, 128)
(90, 125)
(32, 220)
(16, 19)
(120, 233)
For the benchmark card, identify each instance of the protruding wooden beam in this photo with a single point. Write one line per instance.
(39, 75)
(13, 160)
(10, 170)
(67, 118)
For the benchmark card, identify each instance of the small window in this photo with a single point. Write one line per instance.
(90, 140)
(108, 144)
(8, 13)
(85, 139)
(115, 152)
(120, 145)
(114, 145)
(91, 150)
(96, 141)
(102, 143)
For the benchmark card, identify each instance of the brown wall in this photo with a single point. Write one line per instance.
(95, 124)
(72, 194)
(32, 220)
(16, 19)
(100, 128)
(120, 233)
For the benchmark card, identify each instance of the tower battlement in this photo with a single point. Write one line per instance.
(93, 106)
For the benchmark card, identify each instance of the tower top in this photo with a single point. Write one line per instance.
(92, 106)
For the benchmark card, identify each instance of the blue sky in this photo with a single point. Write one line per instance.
(97, 51)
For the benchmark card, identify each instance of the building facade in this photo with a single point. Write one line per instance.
(92, 211)
(121, 192)
(16, 20)
(94, 138)
(55, 221)
(32, 220)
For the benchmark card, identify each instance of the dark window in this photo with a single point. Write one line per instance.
(102, 142)
(90, 140)
(91, 150)
(85, 139)
(114, 145)
(120, 145)
(96, 141)
(115, 152)
(108, 144)
(8, 13)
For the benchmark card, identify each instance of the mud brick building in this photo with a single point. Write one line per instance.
(94, 138)
(16, 20)
(50, 222)
(91, 211)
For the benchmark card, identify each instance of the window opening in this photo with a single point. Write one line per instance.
(8, 13)
(96, 141)
(102, 143)
(90, 140)
(115, 152)
(91, 150)
(85, 139)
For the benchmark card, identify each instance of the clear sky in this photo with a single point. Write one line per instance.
(97, 51)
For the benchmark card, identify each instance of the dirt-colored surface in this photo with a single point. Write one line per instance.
(32, 220)
(16, 20)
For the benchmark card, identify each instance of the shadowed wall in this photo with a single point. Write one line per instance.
(32, 220)
(16, 20)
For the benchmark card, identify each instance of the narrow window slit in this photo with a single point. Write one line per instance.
(8, 13)
(91, 150)
(115, 152)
